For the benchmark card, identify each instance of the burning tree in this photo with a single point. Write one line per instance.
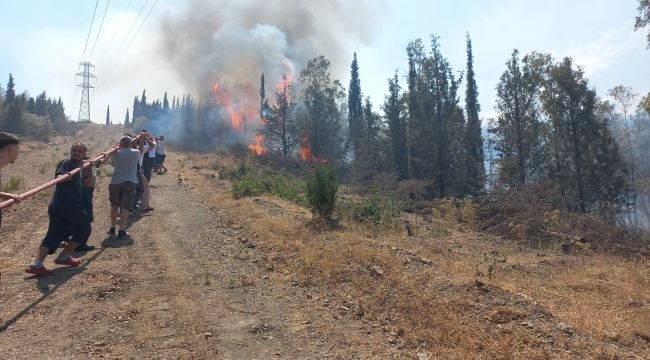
(322, 117)
(282, 127)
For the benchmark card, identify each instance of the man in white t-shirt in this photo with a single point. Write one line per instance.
(160, 156)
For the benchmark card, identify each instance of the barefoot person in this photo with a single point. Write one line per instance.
(121, 190)
(9, 144)
(67, 219)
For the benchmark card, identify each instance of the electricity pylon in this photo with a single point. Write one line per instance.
(84, 107)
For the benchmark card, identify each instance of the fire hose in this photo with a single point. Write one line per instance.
(86, 163)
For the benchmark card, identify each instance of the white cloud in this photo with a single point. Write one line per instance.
(599, 55)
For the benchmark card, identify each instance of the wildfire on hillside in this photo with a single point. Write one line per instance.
(306, 153)
(243, 113)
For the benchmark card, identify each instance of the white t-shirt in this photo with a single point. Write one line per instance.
(160, 147)
(152, 151)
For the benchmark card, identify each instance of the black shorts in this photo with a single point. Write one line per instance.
(64, 224)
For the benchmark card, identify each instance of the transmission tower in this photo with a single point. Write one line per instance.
(84, 107)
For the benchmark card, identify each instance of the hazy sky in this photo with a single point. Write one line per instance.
(43, 42)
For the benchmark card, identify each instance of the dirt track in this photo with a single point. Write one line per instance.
(186, 283)
(199, 278)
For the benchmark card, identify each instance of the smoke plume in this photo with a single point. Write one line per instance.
(229, 44)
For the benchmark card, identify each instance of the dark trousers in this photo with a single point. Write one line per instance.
(87, 201)
(139, 188)
(70, 225)
(147, 165)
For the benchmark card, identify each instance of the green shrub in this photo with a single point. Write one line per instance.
(248, 180)
(239, 171)
(14, 183)
(378, 210)
(322, 189)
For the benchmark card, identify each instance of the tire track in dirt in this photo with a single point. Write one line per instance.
(200, 295)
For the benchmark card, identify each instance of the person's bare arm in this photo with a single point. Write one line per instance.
(8, 196)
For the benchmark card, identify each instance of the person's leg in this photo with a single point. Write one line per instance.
(114, 211)
(146, 167)
(87, 201)
(128, 193)
(57, 231)
(123, 218)
(146, 193)
(79, 230)
(115, 198)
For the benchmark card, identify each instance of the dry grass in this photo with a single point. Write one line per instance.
(420, 290)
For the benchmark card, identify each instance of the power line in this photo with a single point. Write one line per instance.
(110, 64)
(100, 28)
(113, 35)
(91, 27)
(136, 33)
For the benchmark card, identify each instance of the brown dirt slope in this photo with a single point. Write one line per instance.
(207, 277)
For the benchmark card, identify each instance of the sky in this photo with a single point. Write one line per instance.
(44, 41)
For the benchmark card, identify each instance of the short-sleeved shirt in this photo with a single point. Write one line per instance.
(67, 194)
(125, 162)
(152, 150)
(160, 147)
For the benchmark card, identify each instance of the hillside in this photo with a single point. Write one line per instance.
(206, 276)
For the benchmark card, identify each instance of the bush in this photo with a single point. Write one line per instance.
(322, 189)
(240, 171)
(248, 180)
(14, 183)
(377, 210)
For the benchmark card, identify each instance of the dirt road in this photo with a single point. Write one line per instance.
(205, 276)
(177, 287)
(187, 283)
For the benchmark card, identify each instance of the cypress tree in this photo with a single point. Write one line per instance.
(396, 117)
(355, 108)
(10, 92)
(474, 167)
(108, 115)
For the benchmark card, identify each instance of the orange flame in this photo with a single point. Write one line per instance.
(258, 148)
(306, 151)
(241, 112)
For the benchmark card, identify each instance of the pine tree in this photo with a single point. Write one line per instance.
(281, 131)
(355, 109)
(417, 132)
(40, 104)
(165, 104)
(108, 115)
(447, 123)
(31, 105)
(322, 98)
(10, 92)
(136, 108)
(144, 109)
(396, 117)
(518, 130)
(571, 105)
(435, 120)
(474, 167)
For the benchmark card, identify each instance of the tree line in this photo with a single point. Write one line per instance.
(550, 127)
(22, 114)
